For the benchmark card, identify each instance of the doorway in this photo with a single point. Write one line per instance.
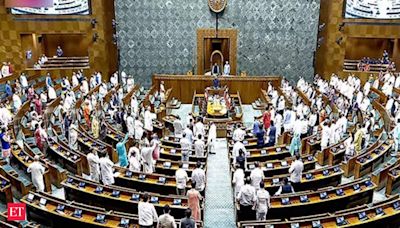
(216, 48)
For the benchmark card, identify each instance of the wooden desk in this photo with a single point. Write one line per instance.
(276, 167)
(317, 205)
(5, 190)
(184, 86)
(311, 180)
(368, 162)
(150, 183)
(124, 202)
(174, 154)
(389, 218)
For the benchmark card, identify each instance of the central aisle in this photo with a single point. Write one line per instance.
(219, 208)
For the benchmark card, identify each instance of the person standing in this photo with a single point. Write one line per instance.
(134, 159)
(106, 169)
(37, 170)
(72, 135)
(227, 69)
(59, 52)
(212, 138)
(147, 213)
(256, 176)
(238, 133)
(199, 147)
(95, 126)
(199, 128)
(94, 167)
(271, 135)
(178, 127)
(166, 220)
(181, 179)
(267, 117)
(215, 69)
(396, 137)
(296, 169)
(188, 221)
(121, 150)
(147, 158)
(246, 199)
(148, 119)
(263, 202)
(41, 139)
(5, 144)
(186, 146)
(358, 136)
(199, 177)
(238, 179)
(194, 199)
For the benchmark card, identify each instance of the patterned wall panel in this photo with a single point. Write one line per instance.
(275, 37)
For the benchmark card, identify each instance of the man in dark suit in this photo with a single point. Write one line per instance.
(215, 69)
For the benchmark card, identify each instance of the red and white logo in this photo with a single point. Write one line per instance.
(16, 211)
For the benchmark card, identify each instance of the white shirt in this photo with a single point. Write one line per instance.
(181, 178)
(106, 168)
(263, 201)
(295, 170)
(199, 129)
(256, 176)
(238, 134)
(199, 177)
(178, 127)
(37, 171)
(24, 81)
(147, 214)
(199, 147)
(247, 195)
(236, 148)
(238, 180)
(52, 93)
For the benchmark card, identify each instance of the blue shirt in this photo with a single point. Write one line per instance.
(8, 90)
(121, 150)
(4, 144)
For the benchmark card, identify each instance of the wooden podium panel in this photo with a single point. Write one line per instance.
(184, 86)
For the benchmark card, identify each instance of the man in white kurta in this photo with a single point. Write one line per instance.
(227, 68)
(37, 170)
(138, 128)
(238, 179)
(199, 177)
(148, 119)
(130, 124)
(147, 158)
(199, 147)
(256, 176)
(94, 167)
(296, 169)
(106, 168)
(212, 137)
(199, 128)
(238, 134)
(236, 148)
(51, 93)
(178, 127)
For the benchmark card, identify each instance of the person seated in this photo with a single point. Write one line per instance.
(285, 188)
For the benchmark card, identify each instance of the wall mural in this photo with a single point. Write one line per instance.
(276, 37)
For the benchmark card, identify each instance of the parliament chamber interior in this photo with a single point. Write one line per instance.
(199, 113)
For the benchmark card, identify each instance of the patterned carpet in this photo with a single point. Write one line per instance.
(219, 209)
